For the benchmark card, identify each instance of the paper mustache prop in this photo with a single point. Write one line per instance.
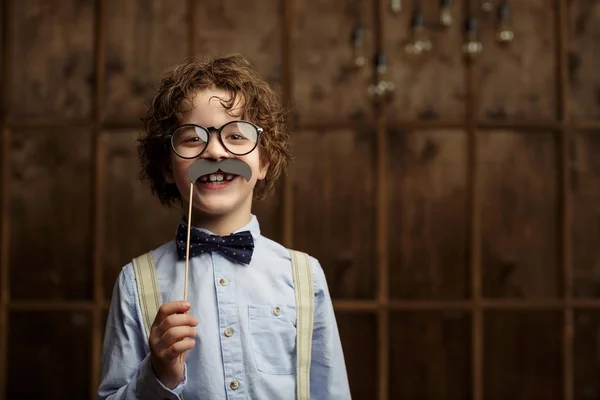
(201, 167)
(232, 166)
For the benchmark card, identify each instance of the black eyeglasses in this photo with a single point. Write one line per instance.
(237, 137)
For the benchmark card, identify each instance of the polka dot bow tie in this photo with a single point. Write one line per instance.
(237, 246)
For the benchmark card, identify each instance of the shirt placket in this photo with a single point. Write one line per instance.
(229, 332)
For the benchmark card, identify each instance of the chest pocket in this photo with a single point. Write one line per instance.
(273, 338)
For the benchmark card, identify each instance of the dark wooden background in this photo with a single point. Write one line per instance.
(458, 223)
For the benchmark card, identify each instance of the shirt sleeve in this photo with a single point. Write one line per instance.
(126, 371)
(328, 376)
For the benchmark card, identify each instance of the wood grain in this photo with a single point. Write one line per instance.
(428, 216)
(135, 220)
(52, 59)
(334, 198)
(252, 28)
(145, 38)
(519, 214)
(586, 348)
(522, 355)
(431, 353)
(585, 197)
(51, 349)
(518, 82)
(431, 87)
(584, 58)
(49, 203)
(358, 334)
(327, 86)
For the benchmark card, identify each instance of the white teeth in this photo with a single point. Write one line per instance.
(204, 178)
(229, 177)
(213, 178)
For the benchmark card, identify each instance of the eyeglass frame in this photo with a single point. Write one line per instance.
(218, 129)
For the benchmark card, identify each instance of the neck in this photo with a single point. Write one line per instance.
(220, 224)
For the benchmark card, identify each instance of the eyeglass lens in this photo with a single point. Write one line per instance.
(237, 138)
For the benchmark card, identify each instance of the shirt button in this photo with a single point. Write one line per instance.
(276, 310)
(228, 332)
(234, 385)
(223, 282)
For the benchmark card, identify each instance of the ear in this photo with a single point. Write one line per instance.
(168, 174)
(262, 173)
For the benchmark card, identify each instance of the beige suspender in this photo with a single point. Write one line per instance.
(304, 290)
(150, 301)
(147, 288)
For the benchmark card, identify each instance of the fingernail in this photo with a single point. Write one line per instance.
(186, 304)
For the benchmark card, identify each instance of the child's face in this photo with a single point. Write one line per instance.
(232, 198)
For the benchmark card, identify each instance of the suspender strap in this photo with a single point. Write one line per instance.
(304, 290)
(147, 288)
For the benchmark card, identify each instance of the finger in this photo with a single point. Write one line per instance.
(176, 320)
(170, 308)
(174, 335)
(178, 348)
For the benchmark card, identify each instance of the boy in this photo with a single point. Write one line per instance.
(235, 336)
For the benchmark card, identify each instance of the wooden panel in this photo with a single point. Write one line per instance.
(327, 86)
(269, 213)
(585, 199)
(584, 58)
(144, 39)
(430, 351)
(430, 86)
(51, 349)
(428, 215)
(252, 28)
(129, 232)
(334, 217)
(358, 333)
(52, 60)
(49, 202)
(518, 82)
(519, 214)
(586, 347)
(523, 355)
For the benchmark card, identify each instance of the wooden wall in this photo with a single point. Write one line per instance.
(458, 223)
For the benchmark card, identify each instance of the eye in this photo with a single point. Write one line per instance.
(235, 136)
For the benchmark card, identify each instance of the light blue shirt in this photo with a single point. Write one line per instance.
(259, 355)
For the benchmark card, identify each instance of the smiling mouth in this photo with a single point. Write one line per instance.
(216, 178)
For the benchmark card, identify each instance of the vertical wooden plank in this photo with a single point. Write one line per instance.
(583, 58)
(517, 82)
(430, 355)
(519, 213)
(382, 201)
(430, 86)
(586, 348)
(287, 85)
(4, 215)
(50, 348)
(145, 38)
(97, 211)
(523, 355)
(240, 26)
(334, 184)
(127, 202)
(49, 205)
(428, 215)
(328, 87)
(358, 333)
(52, 79)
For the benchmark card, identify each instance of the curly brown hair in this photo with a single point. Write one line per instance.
(234, 74)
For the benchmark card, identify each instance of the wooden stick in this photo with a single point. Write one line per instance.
(187, 247)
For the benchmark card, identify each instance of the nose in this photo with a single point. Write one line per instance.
(215, 150)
